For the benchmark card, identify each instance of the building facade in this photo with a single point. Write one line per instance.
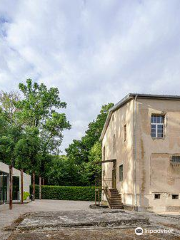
(142, 138)
(4, 184)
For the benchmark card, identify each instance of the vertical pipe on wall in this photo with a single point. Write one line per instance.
(135, 150)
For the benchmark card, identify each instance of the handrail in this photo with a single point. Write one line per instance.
(106, 187)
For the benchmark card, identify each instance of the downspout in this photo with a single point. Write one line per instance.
(135, 150)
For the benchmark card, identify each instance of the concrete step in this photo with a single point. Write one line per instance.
(115, 202)
(117, 207)
(115, 198)
(115, 195)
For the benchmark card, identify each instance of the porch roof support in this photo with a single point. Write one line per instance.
(109, 160)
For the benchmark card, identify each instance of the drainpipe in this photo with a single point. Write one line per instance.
(135, 150)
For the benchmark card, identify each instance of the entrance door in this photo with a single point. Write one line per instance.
(113, 178)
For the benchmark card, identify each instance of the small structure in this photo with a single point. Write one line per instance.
(17, 180)
(141, 153)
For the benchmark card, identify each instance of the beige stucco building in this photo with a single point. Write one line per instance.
(4, 184)
(142, 135)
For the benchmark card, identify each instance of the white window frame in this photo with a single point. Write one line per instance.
(157, 124)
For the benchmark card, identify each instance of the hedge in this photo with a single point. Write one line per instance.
(66, 193)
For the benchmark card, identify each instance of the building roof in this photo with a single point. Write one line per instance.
(130, 96)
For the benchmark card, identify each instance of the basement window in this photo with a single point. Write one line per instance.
(157, 196)
(175, 196)
(157, 126)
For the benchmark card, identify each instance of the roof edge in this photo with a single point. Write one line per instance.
(130, 96)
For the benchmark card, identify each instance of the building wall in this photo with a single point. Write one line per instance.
(121, 150)
(26, 178)
(155, 173)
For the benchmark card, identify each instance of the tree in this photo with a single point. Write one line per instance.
(27, 151)
(62, 172)
(10, 130)
(42, 125)
(8, 104)
(86, 152)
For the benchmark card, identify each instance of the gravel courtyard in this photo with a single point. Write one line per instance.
(51, 219)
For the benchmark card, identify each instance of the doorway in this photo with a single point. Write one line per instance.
(3, 187)
(113, 178)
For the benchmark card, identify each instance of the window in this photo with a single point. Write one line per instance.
(175, 196)
(125, 132)
(157, 126)
(157, 196)
(121, 173)
(175, 159)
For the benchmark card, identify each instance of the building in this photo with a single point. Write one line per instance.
(141, 152)
(4, 184)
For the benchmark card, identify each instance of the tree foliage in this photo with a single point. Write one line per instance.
(86, 152)
(31, 127)
(31, 132)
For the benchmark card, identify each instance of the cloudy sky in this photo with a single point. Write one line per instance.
(94, 51)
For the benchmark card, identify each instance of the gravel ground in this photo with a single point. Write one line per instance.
(7, 217)
(65, 220)
(88, 234)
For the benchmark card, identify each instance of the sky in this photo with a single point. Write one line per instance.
(94, 51)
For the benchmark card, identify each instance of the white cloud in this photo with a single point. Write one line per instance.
(94, 51)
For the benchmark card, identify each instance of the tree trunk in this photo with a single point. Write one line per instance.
(22, 189)
(10, 186)
(40, 188)
(33, 198)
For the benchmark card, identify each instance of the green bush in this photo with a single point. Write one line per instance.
(66, 193)
(25, 195)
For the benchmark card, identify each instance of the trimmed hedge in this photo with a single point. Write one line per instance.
(66, 193)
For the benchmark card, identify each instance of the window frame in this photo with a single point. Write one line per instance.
(121, 173)
(175, 159)
(157, 124)
(175, 196)
(157, 196)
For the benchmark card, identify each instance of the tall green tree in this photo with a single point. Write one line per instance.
(10, 129)
(39, 113)
(86, 152)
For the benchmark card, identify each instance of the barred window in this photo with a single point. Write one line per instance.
(157, 126)
(175, 159)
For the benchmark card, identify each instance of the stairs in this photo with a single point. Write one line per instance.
(114, 199)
